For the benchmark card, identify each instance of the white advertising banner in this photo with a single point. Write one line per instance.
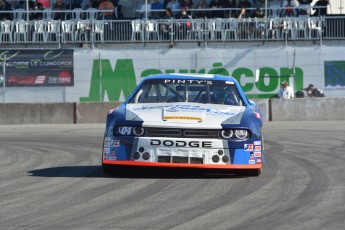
(111, 75)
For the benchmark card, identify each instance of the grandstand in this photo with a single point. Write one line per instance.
(89, 28)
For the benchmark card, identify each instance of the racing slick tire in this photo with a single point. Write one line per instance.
(114, 170)
(254, 172)
(249, 172)
(107, 169)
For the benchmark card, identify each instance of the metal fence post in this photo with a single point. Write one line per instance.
(4, 80)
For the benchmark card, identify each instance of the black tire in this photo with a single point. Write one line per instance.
(254, 172)
(248, 172)
(115, 170)
(107, 169)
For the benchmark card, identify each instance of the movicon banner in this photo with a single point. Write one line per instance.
(37, 67)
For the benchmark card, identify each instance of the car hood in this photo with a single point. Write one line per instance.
(184, 114)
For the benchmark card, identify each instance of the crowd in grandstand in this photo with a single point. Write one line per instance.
(109, 9)
(230, 8)
(156, 8)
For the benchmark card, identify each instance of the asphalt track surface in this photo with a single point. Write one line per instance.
(50, 178)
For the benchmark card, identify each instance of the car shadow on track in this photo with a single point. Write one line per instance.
(166, 173)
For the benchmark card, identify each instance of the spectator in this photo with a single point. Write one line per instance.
(230, 4)
(59, 5)
(301, 2)
(156, 5)
(275, 2)
(260, 27)
(75, 4)
(145, 9)
(258, 13)
(286, 92)
(245, 4)
(312, 91)
(304, 7)
(174, 5)
(242, 13)
(261, 4)
(244, 30)
(45, 3)
(168, 14)
(183, 14)
(216, 4)
(201, 5)
(118, 8)
(165, 3)
(289, 8)
(94, 4)
(106, 5)
(309, 90)
(15, 4)
(167, 28)
(182, 27)
(85, 4)
(187, 4)
(4, 6)
(35, 6)
(139, 4)
(321, 8)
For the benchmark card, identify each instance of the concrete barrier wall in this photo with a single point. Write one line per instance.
(52, 113)
(94, 112)
(264, 107)
(315, 109)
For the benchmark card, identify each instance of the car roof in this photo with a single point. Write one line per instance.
(191, 76)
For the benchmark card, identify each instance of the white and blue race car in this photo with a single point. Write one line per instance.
(185, 121)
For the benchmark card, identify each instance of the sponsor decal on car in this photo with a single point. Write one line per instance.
(106, 144)
(182, 118)
(257, 142)
(251, 159)
(186, 108)
(192, 144)
(113, 155)
(116, 143)
(106, 150)
(257, 154)
(257, 148)
(189, 81)
(248, 147)
(258, 160)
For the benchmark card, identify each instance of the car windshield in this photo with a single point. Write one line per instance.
(188, 90)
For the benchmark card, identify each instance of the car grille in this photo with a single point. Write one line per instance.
(187, 133)
(179, 159)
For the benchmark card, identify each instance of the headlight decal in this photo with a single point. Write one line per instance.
(235, 134)
(138, 131)
(241, 134)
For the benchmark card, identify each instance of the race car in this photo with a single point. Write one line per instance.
(190, 121)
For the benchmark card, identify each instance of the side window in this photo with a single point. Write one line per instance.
(149, 95)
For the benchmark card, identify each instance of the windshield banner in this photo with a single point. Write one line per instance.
(37, 67)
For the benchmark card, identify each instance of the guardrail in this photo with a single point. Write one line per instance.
(49, 31)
